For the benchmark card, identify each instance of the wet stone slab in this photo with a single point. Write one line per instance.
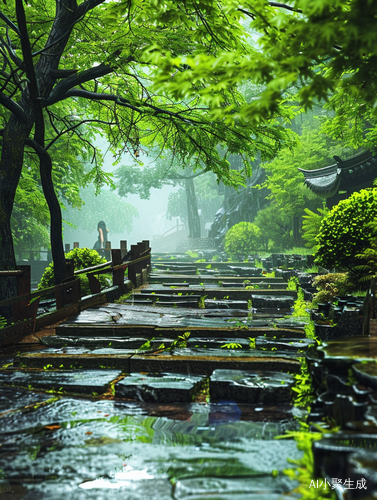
(286, 344)
(366, 373)
(76, 448)
(262, 488)
(81, 382)
(161, 388)
(277, 302)
(226, 304)
(93, 342)
(77, 359)
(204, 361)
(13, 398)
(251, 387)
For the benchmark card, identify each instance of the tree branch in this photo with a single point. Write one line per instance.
(61, 89)
(284, 6)
(62, 132)
(86, 94)
(9, 23)
(13, 107)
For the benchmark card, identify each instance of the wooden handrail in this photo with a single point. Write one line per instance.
(16, 272)
(88, 270)
(37, 293)
(93, 268)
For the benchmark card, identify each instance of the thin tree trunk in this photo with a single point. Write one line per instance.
(192, 209)
(10, 171)
(56, 230)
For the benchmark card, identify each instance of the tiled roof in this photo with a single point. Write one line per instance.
(327, 181)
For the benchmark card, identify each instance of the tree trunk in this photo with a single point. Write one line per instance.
(56, 231)
(192, 209)
(10, 171)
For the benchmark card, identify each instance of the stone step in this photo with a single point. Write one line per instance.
(159, 388)
(224, 293)
(255, 286)
(167, 278)
(141, 331)
(79, 382)
(186, 360)
(257, 387)
(162, 303)
(167, 297)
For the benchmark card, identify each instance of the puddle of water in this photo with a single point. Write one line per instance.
(71, 444)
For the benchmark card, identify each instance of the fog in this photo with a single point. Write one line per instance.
(150, 224)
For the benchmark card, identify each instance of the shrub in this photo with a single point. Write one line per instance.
(83, 258)
(345, 231)
(242, 239)
(331, 285)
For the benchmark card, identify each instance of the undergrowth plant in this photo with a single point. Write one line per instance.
(304, 392)
(293, 284)
(181, 341)
(303, 472)
(83, 258)
(300, 306)
(3, 322)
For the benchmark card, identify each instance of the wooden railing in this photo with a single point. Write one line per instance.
(25, 305)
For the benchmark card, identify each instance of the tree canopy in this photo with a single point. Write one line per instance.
(318, 49)
(74, 69)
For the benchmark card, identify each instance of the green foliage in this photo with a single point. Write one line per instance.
(123, 298)
(303, 472)
(192, 254)
(202, 302)
(311, 225)
(303, 386)
(242, 239)
(313, 150)
(367, 267)
(181, 341)
(292, 284)
(232, 345)
(276, 227)
(300, 307)
(3, 322)
(83, 258)
(331, 285)
(316, 48)
(345, 231)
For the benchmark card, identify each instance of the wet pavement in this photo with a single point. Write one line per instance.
(146, 401)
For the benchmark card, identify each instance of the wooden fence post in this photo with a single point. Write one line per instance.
(148, 261)
(123, 248)
(72, 293)
(23, 288)
(108, 250)
(118, 274)
(132, 268)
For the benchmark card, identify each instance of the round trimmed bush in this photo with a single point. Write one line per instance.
(83, 258)
(242, 239)
(346, 231)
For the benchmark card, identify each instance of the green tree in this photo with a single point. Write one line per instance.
(275, 225)
(98, 56)
(314, 149)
